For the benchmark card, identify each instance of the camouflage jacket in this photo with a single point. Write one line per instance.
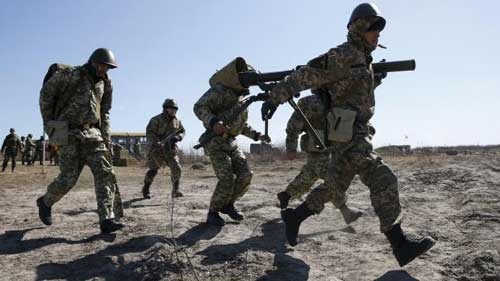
(218, 104)
(162, 125)
(314, 110)
(29, 144)
(11, 143)
(345, 72)
(72, 95)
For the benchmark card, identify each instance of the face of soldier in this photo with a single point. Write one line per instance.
(372, 38)
(101, 69)
(170, 111)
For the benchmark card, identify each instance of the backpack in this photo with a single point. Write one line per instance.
(53, 68)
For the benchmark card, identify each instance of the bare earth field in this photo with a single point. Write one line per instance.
(455, 199)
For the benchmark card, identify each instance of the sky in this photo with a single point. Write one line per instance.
(169, 49)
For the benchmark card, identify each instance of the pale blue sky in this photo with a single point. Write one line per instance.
(171, 48)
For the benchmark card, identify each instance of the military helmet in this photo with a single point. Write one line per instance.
(12, 130)
(105, 56)
(23, 138)
(30, 135)
(170, 103)
(368, 10)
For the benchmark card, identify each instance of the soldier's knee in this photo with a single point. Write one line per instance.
(383, 176)
(151, 173)
(245, 179)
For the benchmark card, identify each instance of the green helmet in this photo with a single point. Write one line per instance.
(105, 56)
(12, 130)
(367, 10)
(170, 103)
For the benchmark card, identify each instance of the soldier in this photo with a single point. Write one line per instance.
(163, 132)
(23, 146)
(316, 166)
(39, 146)
(346, 72)
(10, 147)
(230, 165)
(53, 154)
(28, 150)
(79, 98)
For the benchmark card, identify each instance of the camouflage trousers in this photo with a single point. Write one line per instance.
(232, 170)
(358, 158)
(314, 169)
(9, 155)
(72, 159)
(158, 159)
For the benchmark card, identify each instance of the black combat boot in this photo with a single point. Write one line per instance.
(175, 189)
(145, 191)
(292, 219)
(213, 218)
(284, 198)
(232, 212)
(44, 211)
(406, 249)
(109, 226)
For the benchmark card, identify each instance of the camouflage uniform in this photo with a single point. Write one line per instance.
(39, 151)
(23, 147)
(229, 163)
(350, 88)
(85, 106)
(28, 150)
(317, 161)
(159, 127)
(10, 147)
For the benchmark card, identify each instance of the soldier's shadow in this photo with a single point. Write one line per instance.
(199, 232)
(126, 205)
(13, 243)
(107, 264)
(272, 240)
(396, 275)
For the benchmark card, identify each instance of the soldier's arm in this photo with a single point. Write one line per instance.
(105, 109)
(151, 130)
(49, 94)
(203, 108)
(294, 128)
(182, 131)
(248, 131)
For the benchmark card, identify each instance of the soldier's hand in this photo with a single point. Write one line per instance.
(264, 138)
(380, 75)
(291, 155)
(219, 128)
(267, 110)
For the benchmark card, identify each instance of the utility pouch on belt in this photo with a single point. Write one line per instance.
(90, 135)
(308, 144)
(57, 131)
(340, 124)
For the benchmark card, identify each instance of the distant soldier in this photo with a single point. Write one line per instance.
(23, 146)
(53, 154)
(163, 132)
(137, 150)
(316, 167)
(10, 147)
(39, 146)
(75, 104)
(230, 165)
(28, 150)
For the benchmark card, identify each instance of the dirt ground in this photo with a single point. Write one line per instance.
(455, 199)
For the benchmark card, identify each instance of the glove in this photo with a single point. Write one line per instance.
(267, 110)
(264, 138)
(175, 138)
(380, 75)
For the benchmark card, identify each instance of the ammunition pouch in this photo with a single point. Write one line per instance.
(57, 132)
(340, 124)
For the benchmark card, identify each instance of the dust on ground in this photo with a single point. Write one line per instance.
(455, 199)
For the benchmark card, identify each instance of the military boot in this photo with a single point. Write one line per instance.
(175, 189)
(44, 211)
(145, 191)
(213, 218)
(350, 214)
(292, 219)
(109, 226)
(406, 249)
(284, 198)
(232, 212)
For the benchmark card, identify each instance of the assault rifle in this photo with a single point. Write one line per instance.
(208, 135)
(165, 142)
(266, 81)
